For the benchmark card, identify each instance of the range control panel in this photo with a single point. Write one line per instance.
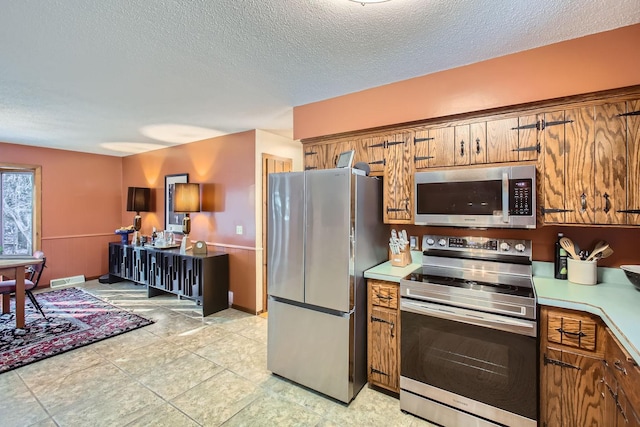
(476, 244)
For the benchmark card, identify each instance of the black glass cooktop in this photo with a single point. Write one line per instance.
(471, 284)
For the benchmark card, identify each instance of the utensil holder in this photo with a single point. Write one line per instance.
(582, 272)
(400, 260)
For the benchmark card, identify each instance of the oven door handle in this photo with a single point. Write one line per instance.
(517, 326)
(505, 197)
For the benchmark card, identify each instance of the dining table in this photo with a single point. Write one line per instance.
(16, 265)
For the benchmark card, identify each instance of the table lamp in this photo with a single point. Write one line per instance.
(186, 199)
(138, 200)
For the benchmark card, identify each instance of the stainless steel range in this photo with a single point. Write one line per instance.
(468, 336)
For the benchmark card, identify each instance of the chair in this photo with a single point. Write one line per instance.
(31, 280)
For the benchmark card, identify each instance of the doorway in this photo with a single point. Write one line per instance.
(270, 164)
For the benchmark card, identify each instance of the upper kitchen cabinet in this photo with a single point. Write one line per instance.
(333, 150)
(398, 179)
(632, 116)
(586, 176)
(513, 139)
(502, 140)
(315, 157)
(453, 145)
(376, 153)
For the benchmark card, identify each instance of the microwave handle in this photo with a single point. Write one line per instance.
(505, 197)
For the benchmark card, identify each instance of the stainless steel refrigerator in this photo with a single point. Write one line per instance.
(325, 229)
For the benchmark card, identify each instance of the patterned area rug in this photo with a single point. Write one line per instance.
(74, 319)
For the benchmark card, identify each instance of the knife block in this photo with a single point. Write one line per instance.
(400, 260)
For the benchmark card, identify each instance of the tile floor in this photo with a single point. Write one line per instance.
(184, 370)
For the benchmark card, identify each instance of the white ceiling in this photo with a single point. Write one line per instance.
(134, 75)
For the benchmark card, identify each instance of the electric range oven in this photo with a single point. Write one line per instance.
(469, 334)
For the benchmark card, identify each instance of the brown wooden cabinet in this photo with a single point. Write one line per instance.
(314, 156)
(586, 376)
(621, 384)
(571, 368)
(383, 333)
(587, 154)
(587, 180)
(398, 179)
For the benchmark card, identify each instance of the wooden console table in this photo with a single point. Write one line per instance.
(202, 278)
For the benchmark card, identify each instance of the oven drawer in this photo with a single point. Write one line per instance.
(383, 294)
(574, 329)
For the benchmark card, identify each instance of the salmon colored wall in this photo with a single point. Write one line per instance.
(81, 207)
(597, 62)
(226, 167)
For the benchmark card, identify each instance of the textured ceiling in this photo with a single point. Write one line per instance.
(134, 75)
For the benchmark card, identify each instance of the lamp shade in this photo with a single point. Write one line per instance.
(139, 199)
(186, 197)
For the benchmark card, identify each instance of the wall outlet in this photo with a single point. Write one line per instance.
(238, 229)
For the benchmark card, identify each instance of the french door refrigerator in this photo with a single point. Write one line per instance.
(325, 229)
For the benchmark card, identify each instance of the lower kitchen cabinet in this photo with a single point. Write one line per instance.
(571, 368)
(383, 333)
(621, 385)
(586, 376)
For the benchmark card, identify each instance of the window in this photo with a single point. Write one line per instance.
(19, 222)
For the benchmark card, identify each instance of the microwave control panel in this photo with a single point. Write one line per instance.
(520, 197)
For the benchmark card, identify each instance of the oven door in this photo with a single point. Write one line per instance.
(479, 363)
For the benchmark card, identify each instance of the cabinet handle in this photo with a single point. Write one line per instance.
(621, 410)
(477, 145)
(618, 365)
(578, 334)
(607, 203)
(380, 296)
(631, 211)
(554, 210)
(583, 202)
(461, 148)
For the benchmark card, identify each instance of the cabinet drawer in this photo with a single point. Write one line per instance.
(572, 329)
(624, 369)
(384, 294)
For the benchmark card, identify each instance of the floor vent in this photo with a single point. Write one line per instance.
(66, 281)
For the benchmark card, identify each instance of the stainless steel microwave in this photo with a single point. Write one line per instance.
(484, 197)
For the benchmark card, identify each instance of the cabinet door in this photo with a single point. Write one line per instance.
(528, 137)
(553, 205)
(421, 155)
(627, 415)
(398, 180)
(314, 157)
(478, 138)
(579, 155)
(375, 153)
(573, 387)
(441, 143)
(502, 140)
(610, 163)
(383, 350)
(633, 162)
(333, 151)
(462, 146)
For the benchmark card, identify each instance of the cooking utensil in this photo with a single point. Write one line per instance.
(568, 246)
(607, 252)
(601, 246)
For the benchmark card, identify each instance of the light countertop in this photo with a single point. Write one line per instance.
(386, 271)
(614, 298)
